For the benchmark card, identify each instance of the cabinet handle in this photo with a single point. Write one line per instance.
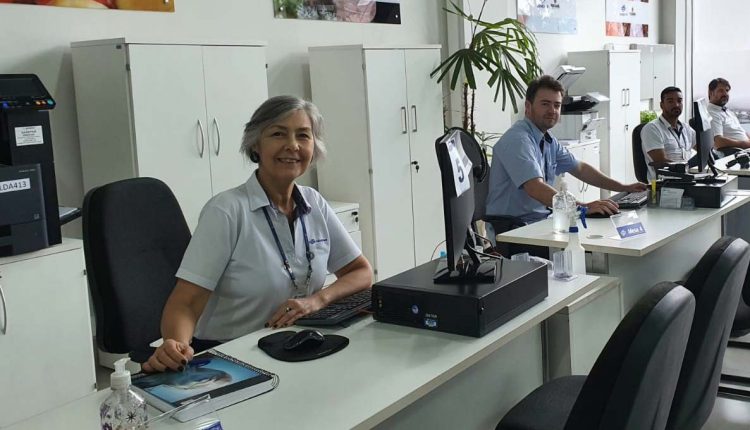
(203, 139)
(403, 120)
(218, 137)
(414, 111)
(627, 96)
(622, 97)
(5, 312)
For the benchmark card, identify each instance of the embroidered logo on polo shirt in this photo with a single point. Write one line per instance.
(314, 241)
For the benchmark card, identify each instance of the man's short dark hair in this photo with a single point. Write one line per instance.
(547, 82)
(668, 90)
(714, 84)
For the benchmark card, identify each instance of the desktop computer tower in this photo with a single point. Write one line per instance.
(473, 309)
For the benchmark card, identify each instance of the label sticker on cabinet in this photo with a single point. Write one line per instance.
(15, 185)
(31, 135)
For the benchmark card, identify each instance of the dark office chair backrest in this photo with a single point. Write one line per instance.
(632, 382)
(639, 161)
(134, 238)
(716, 281)
(741, 324)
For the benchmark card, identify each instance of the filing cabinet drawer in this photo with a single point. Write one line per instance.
(350, 219)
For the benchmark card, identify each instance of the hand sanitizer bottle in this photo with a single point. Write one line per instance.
(563, 208)
(122, 409)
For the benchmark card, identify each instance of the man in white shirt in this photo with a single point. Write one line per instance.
(728, 133)
(666, 139)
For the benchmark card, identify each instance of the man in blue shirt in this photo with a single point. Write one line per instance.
(527, 158)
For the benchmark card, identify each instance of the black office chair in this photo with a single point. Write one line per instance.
(134, 238)
(741, 324)
(716, 283)
(639, 162)
(632, 382)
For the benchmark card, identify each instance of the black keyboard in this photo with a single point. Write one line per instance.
(627, 200)
(339, 311)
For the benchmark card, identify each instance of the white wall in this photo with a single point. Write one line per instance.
(722, 48)
(553, 48)
(37, 40)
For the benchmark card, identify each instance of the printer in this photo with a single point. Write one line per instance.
(578, 119)
(29, 214)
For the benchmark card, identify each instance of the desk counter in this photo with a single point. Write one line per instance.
(389, 376)
(674, 242)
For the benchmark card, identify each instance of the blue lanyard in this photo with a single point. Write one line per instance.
(285, 260)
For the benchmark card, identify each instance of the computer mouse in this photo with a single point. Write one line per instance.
(303, 340)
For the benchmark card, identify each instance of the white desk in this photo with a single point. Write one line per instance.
(674, 242)
(736, 222)
(389, 376)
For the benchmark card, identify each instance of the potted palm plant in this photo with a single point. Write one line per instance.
(505, 49)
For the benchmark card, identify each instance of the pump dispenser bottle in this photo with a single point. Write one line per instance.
(123, 408)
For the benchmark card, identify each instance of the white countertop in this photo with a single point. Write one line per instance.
(384, 369)
(66, 245)
(662, 226)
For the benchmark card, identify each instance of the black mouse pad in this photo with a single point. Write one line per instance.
(273, 345)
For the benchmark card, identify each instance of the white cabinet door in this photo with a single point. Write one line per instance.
(591, 156)
(619, 145)
(236, 85)
(576, 186)
(47, 351)
(648, 89)
(170, 121)
(425, 125)
(390, 161)
(630, 69)
(663, 70)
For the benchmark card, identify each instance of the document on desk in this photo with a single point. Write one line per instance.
(671, 198)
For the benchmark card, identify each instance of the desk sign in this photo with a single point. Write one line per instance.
(628, 224)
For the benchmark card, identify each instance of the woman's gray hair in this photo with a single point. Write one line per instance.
(276, 109)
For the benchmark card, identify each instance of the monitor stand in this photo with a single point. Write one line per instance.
(710, 178)
(474, 271)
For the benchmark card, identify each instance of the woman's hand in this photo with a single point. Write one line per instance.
(294, 309)
(171, 354)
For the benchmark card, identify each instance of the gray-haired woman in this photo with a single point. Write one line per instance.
(261, 251)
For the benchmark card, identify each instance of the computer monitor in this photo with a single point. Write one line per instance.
(458, 185)
(704, 139)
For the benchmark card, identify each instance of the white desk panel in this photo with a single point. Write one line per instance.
(385, 369)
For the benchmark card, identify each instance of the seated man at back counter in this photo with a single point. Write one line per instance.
(527, 158)
(666, 139)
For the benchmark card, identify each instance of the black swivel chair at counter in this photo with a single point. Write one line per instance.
(134, 238)
(632, 383)
(716, 282)
(639, 162)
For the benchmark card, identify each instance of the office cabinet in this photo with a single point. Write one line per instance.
(45, 332)
(657, 71)
(383, 113)
(173, 112)
(587, 152)
(616, 74)
(348, 214)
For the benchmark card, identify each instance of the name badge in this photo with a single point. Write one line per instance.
(628, 224)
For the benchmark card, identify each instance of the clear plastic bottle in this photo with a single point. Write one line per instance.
(563, 208)
(577, 253)
(123, 408)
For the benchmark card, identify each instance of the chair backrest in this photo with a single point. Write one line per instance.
(633, 380)
(716, 281)
(639, 162)
(741, 324)
(134, 238)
